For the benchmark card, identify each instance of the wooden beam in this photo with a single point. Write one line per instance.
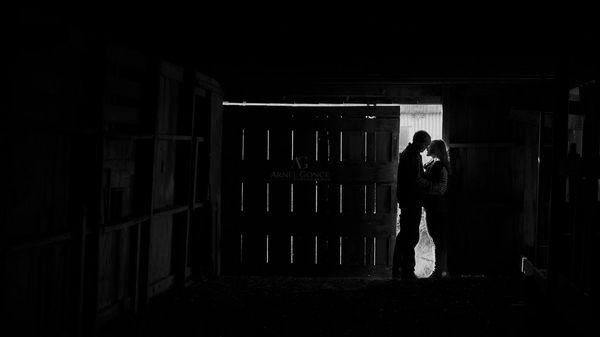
(483, 145)
(170, 210)
(173, 137)
(124, 223)
(112, 135)
(36, 242)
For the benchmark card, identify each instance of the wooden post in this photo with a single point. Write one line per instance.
(79, 238)
(92, 257)
(136, 268)
(536, 245)
(3, 250)
(183, 227)
(558, 207)
(591, 164)
(144, 229)
(216, 142)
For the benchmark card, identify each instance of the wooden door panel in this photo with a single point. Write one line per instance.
(383, 147)
(325, 189)
(304, 197)
(353, 146)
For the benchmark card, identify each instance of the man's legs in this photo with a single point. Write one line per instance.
(404, 250)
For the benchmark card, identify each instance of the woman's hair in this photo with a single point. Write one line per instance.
(442, 152)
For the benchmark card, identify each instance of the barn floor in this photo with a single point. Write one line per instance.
(286, 306)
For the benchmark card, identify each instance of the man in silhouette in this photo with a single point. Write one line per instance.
(412, 186)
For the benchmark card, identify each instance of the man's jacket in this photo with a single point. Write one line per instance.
(412, 185)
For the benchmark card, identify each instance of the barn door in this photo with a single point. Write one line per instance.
(486, 188)
(309, 190)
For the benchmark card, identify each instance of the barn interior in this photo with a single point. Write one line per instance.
(200, 171)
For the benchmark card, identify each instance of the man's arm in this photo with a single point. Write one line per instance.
(422, 185)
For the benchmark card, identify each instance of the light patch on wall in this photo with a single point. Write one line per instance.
(328, 147)
(341, 144)
(365, 199)
(267, 251)
(291, 198)
(316, 197)
(243, 144)
(375, 198)
(316, 250)
(374, 250)
(341, 191)
(291, 249)
(241, 248)
(242, 197)
(364, 250)
(268, 197)
(365, 145)
(292, 145)
(268, 144)
(340, 245)
(316, 145)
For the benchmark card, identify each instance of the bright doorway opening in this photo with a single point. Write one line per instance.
(415, 117)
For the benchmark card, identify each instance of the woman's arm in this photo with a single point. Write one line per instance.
(440, 187)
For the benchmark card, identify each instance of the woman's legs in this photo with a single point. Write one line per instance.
(438, 230)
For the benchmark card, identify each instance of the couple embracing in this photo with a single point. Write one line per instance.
(422, 186)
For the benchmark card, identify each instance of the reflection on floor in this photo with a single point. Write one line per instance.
(425, 249)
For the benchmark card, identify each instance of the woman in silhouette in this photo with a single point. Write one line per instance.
(437, 172)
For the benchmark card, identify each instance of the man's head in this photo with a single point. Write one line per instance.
(421, 139)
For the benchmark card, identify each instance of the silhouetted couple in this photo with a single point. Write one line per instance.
(419, 187)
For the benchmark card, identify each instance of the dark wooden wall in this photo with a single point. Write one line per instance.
(519, 199)
(158, 212)
(40, 216)
(575, 254)
(113, 187)
(494, 185)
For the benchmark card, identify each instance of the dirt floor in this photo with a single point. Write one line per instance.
(286, 306)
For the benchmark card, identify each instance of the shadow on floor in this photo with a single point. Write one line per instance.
(292, 306)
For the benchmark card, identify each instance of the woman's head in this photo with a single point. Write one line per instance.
(437, 149)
